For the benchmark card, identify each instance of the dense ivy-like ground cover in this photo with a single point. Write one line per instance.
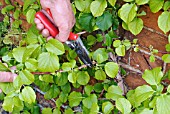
(54, 71)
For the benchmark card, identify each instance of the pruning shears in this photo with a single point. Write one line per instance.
(74, 41)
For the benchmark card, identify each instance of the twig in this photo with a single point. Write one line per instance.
(130, 68)
(147, 53)
(119, 77)
(60, 71)
(164, 68)
(152, 30)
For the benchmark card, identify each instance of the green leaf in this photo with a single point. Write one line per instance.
(167, 47)
(46, 78)
(32, 35)
(28, 52)
(31, 64)
(3, 67)
(107, 107)
(8, 104)
(164, 21)
(16, 14)
(97, 7)
(142, 93)
(83, 77)
(27, 95)
(55, 46)
(104, 22)
(128, 0)
(127, 12)
(156, 5)
(86, 21)
(111, 69)
(80, 5)
(166, 5)
(48, 62)
(112, 2)
(100, 75)
(87, 6)
(127, 44)
(114, 92)
(72, 77)
(30, 15)
(68, 111)
(66, 88)
(123, 105)
(143, 13)
(91, 40)
(136, 26)
(53, 92)
(141, 2)
(56, 111)
(144, 111)
(116, 43)
(100, 55)
(63, 97)
(47, 111)
(26, 77)
(87, 102)
(162, 104)
(125, 26)
(6, 87)
(98, 87)
(152, 58)
(152, 103)
(68, 66)
(61, 79)
(18, 53)
(94, 109)
(120, 51)
(153, 77)
(168, 89)
(74, 98)
(88, 89)
(9, 8)
(108, 41)
(7, 2)
(18, 104)
(166, 58)
(27, 3)
(99, 37)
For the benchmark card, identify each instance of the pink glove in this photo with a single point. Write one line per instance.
(63, 17)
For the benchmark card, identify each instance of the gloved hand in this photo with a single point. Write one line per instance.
(63, 18)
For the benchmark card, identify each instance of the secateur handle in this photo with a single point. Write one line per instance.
(50, 26)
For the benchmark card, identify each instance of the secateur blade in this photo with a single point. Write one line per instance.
(81, 51)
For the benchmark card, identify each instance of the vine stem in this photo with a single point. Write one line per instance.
(119, 78)
(130, 68)
(60, 71)
(147, 53)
